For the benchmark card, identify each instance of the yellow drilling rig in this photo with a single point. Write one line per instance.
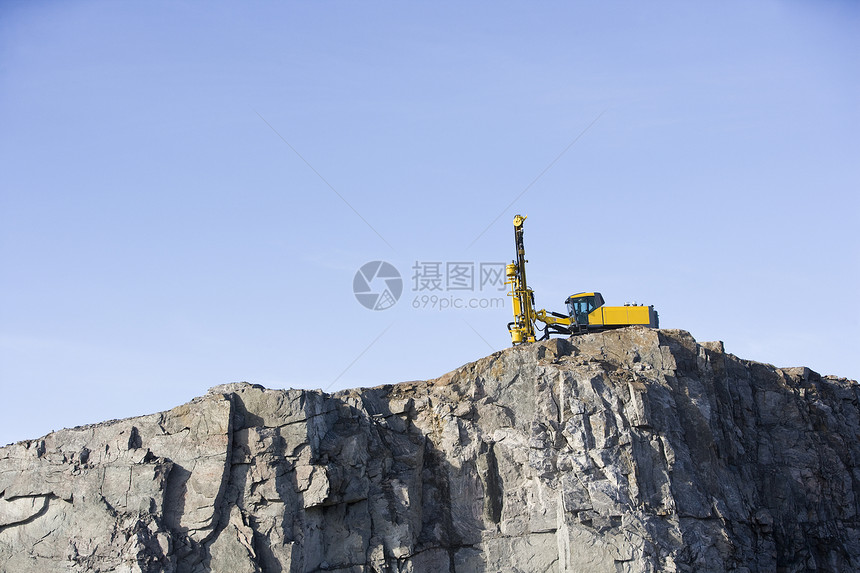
(585, 310)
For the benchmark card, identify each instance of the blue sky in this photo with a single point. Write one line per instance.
(188, 189)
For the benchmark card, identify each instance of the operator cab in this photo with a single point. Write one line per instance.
(580, 305)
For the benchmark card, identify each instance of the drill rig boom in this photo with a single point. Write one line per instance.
(522, 329)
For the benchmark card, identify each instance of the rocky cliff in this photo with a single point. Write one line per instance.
(635, 450)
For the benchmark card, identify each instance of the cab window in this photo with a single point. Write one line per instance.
(580, 307)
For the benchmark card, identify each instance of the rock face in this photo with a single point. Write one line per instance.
(629, 451)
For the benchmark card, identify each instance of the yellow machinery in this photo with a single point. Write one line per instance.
(585, 310)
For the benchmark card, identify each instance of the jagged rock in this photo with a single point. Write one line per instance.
(628, 451)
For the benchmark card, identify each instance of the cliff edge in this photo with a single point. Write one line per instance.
(628, 451)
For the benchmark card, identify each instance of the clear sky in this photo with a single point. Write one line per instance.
(188, 189)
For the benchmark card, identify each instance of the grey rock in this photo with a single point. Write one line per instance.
(633, 450)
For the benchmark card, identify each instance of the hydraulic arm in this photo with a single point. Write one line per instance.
(522, 328)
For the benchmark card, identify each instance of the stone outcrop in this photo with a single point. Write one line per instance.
(629, 451)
